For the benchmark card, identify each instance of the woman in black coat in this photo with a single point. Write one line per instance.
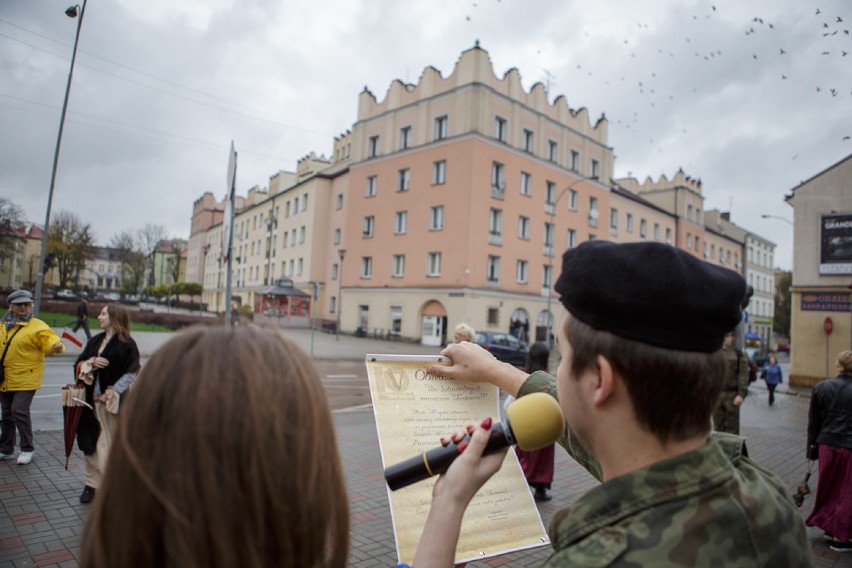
(106, 366)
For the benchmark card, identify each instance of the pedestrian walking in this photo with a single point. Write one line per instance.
(25, 340)
(830, 442)
(726, 417)
(772, 375)
(107, 367)
(83, 317)
(637, 385)
(226, 456)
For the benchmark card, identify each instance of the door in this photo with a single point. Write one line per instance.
(431, 330)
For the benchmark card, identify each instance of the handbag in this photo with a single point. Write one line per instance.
(3, 358)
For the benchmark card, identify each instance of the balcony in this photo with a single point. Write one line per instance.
(495, 238)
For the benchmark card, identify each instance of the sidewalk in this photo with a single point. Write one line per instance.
(41, 520)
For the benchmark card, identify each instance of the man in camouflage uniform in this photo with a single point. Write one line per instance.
(726, 418)
(640, 375)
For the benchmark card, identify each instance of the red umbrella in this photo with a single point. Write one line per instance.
(73, 401)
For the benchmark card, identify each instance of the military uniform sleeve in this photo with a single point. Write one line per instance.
(742, 378)
(543, 382)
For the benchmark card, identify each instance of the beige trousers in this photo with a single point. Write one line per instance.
(96, 463)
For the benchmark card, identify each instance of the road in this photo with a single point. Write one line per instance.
(345, 383)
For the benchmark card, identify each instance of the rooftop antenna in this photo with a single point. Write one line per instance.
(548, 80)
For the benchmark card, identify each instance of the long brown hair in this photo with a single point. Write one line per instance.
(225, 455)
(119, 319)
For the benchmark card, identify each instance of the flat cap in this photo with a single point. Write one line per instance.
(652, 293)
(20, 297)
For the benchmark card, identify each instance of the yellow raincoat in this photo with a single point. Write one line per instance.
(24, 361)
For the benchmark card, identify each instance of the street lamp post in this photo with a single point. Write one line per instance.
(71, 12)
(779, 217)
(271, 223)
(342, 253)
(552, 213)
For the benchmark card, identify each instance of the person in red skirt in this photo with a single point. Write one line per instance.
(830, 441)
(538, 464)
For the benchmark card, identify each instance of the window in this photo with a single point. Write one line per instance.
(439, 172)
(526, 184)
(521, 272)
(668, 236)
(396, 319)
(689, 212)
(398, 266)
(400, 226)
(493, 268)
(369, 223)
(366, 267)
(404, 137)
(301, 235)
(404, 179)
(575, 160)
(373, 147)
(572, 238)
(572, 200)
(304, 202)
(334, 269)
(689, 240)
(523, 227)
(593, 212)
(332, 304)
(546, 276)
(339, 202)
(643, 228)
(698, 240)
(498, 179)
(495, 222)
(596, 169)
(441, 127)
(656, 231)
(613, 220)
(287, 208)
(436, 218)
(500, 128)
(299, 265)
(529, 139)
(493, 317)
(549, 193)
(337, 236)
(434, 268)
(372, 186)
(552, 150)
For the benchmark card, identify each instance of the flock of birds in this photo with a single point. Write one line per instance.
(830, 39)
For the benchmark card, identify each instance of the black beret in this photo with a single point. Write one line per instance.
(652, 293)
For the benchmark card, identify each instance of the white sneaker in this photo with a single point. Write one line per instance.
(24, 458)
(6, 456)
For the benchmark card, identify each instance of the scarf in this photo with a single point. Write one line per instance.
(12, 320)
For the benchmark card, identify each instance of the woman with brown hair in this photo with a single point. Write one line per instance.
(107, 366)
(225, 456)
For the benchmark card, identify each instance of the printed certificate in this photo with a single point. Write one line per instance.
(413, 410)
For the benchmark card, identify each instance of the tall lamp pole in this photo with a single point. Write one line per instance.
(71, 12)
(779, 217)
(342, 253)
(552, 212)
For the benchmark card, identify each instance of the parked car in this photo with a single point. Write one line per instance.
(65, 294)
(503, 346)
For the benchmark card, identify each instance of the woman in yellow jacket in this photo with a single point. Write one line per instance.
(25, 342)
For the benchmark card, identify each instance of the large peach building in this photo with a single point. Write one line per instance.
(450, 201)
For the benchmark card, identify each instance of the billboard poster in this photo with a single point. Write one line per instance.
(835, 251)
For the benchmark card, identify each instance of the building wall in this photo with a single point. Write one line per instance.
(818, 296)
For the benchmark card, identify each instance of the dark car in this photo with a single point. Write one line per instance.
(503, 346)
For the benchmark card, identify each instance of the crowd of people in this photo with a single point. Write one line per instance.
(651, 400)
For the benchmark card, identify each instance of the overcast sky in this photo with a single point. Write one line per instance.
(750, 96)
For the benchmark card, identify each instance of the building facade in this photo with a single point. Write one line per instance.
(451, 200)
(821, 314)
(20, 268)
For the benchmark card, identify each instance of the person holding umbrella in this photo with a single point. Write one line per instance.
(106, 367)
(24, 340)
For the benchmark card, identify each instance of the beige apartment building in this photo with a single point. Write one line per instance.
(822, 273)
(20, 268)
(450, 200)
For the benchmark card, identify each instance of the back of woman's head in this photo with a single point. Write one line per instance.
(538, 357)
(225, 455)
(844, 362)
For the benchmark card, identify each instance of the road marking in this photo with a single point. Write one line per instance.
(48, 395)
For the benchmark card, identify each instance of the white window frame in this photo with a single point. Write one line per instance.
(523, 227)
(398, 266)
(366, 267)
(495, 222)
(433, 264)
(526, 183)
(572, 238)
(501, 127)
(439, 172)
(400, 224)
(404, 180)
(436, 218)
(372, 188)
(575, 160)
(369, 226)
(572, 199)
(441, 130)
(405, 137)
(529, 140)
(596, 169)
(522, 272)
(373, 146)
(492, 272)
(553, 151)
(337, 236)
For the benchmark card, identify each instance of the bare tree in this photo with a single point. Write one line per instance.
(69, 246)
(148, 239)
(11, 218)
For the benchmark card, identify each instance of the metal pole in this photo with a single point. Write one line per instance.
(342, 253)
(228, 318)
(40, 276)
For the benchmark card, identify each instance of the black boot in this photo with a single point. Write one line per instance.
(87, 495)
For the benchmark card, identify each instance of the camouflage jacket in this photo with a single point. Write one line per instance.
(736, 373)
(710, 507)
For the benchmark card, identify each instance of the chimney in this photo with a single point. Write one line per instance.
(726, 215)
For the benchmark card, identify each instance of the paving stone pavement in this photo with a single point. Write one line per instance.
(41, 519)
